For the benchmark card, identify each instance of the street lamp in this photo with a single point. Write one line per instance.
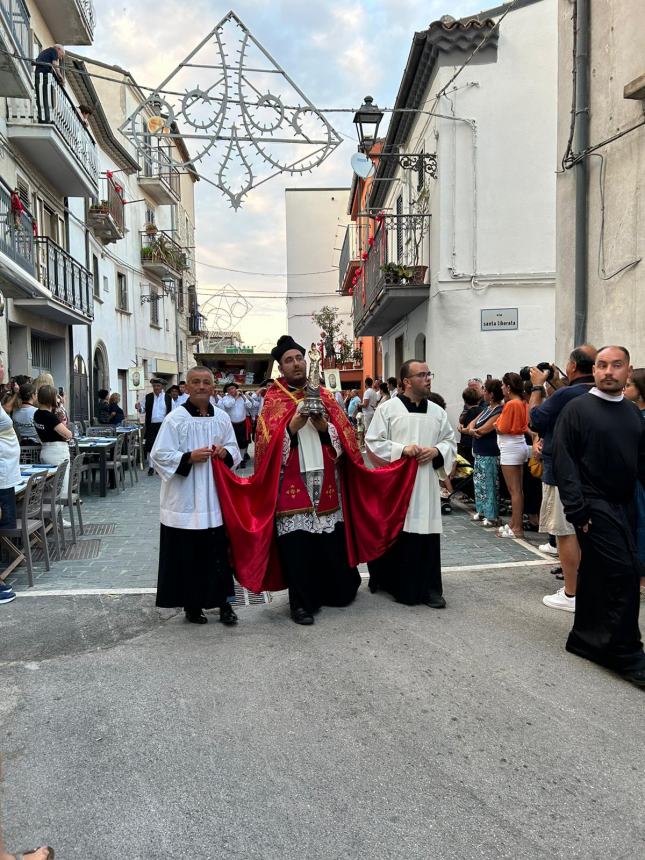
(367, 120)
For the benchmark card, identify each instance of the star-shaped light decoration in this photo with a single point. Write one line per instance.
(241, 116)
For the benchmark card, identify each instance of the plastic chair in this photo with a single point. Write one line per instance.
(73, 499)
(30, 454)
(31, 521)
(129, 458)
(53, 507)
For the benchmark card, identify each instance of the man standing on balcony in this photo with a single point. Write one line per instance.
(157, 405)
(47, 63)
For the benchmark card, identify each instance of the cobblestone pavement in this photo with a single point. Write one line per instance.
(121, 544)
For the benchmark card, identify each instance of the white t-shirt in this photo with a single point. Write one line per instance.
(370, 400)
(9, 453)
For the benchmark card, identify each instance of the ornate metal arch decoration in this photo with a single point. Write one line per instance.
(242, 117)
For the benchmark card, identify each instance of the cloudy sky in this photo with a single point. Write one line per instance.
(336, 52)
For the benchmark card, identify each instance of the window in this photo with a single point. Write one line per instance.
(154, 306)
(41, 354)
(399, 228)
(23, 192)
(106, 284)
(150, 216)
(398, 352)
(97, 280)
(121, 291)
(181, 352)
(180, 297)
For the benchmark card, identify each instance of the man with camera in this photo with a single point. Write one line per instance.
(544, 413)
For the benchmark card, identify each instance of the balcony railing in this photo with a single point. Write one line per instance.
(160, 252)
(16, 15)
(63, 116)
(16, 234)
(392, 283)
(157, 164)
(349, 258)
(68, 281)
(196, 324)
(89, 13)
(107, 217)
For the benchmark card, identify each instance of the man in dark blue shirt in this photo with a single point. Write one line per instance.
(47, 64)
(544, 414)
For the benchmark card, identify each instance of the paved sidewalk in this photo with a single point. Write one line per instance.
(121, 546)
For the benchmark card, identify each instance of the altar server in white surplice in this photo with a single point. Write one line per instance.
(194, 571)
(412, 426)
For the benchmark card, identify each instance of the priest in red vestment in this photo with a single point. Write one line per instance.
(312, 511)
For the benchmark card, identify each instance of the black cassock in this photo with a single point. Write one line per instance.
(598, 456)
(194, 571)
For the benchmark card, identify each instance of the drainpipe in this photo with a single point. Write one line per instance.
(582, 173)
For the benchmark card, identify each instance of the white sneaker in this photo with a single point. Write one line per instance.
(477, 518)
(548, 549)
(559, 600)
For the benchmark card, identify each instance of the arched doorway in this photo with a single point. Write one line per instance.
(420, 347)
(101, 369)
(80, 388)
(101, 375)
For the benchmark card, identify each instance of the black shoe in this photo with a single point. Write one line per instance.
(196, 616)
(227, 615)
(301, 616)
(435, 600)
(372, 585)
(637, 677)
(151, 472)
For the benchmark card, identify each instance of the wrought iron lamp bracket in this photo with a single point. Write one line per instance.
(413, 161)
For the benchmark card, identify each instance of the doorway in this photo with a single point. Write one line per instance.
(80, 388)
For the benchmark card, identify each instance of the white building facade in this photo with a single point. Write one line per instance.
(316, 221)
(97, 260)
(475, 246)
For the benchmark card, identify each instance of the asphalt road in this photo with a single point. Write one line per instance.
(381, 732)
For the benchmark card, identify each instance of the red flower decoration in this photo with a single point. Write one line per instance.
(109, 174)
(364, 255)
(370, 241)
(350, 291)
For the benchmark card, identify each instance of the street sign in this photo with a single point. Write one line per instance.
(499, 319)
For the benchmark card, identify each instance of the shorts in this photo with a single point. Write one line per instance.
(513, 450)
(552, 518)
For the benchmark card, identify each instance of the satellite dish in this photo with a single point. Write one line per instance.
(362, 165)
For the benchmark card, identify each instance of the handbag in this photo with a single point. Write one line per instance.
(536, 467)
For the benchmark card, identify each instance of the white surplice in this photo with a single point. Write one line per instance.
(191, 502)
(393, 428)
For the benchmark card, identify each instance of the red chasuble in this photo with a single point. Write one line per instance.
(375, 501)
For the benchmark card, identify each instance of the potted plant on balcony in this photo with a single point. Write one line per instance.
(344, 351)
(357, 356)
(150, 229)
(396, 273)
(102, 207)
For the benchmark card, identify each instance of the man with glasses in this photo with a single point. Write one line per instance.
(598, 458)
(412, 426)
